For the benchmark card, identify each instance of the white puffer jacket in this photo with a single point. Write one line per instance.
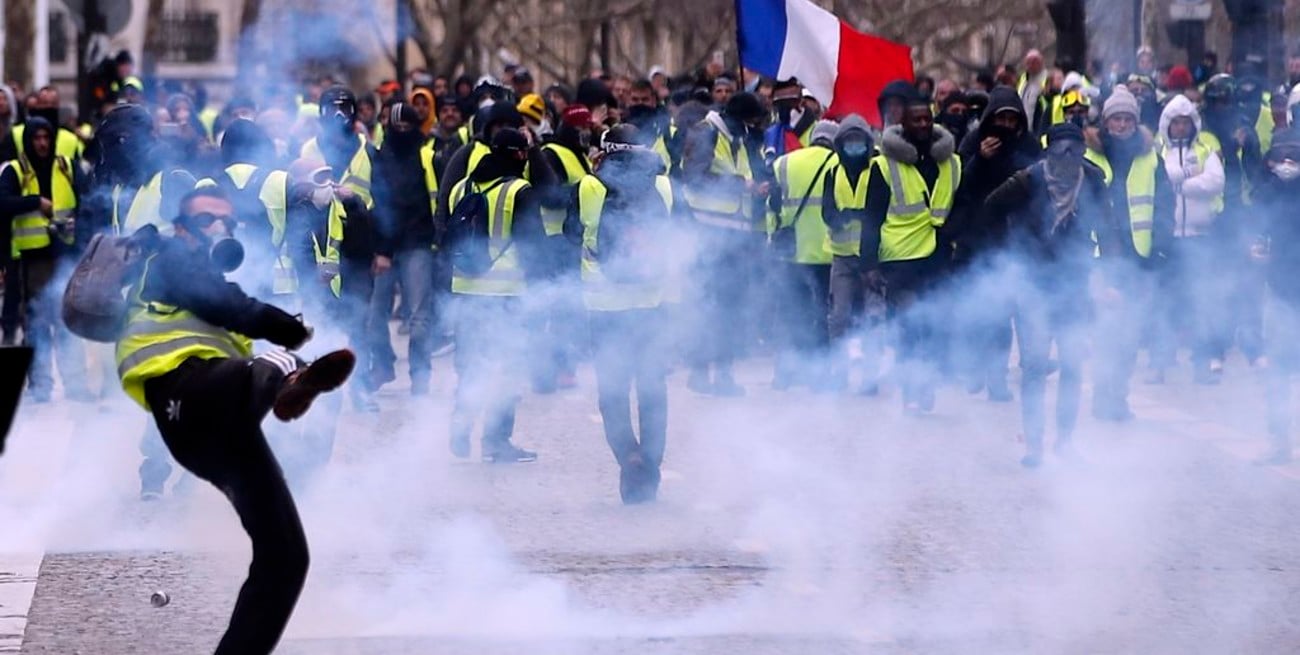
(1197, 184)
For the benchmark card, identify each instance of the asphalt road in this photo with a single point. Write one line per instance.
(788, 523)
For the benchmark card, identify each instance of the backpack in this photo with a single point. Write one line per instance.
(628, 240)
(250, 211)
(467, 231)
(94, 305)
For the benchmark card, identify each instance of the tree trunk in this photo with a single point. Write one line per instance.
(1070, 19)
(246, 54)
(20, 33)
(153, 44)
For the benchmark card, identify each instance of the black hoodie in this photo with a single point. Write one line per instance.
(831, 213)
(13, 201)
(976, 229)
(402, 209)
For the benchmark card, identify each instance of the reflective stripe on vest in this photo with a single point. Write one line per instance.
(847, 240)
(430, 176)
(910, 223)
(728, 211)
(159, 337)
(1140, 187)
(506, 277)
(357, 176)
(574, 169)
(794, 176)
(598, 292)
(32, 230)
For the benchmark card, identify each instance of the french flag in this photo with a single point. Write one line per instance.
(842, 67)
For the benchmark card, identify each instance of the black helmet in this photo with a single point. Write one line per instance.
(338, 98)
(745, 107)
(1221, 87)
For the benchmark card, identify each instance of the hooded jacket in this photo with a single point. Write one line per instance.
(897, 147)
(975, 228)
(403, 216)
(426, 128)
(1197, 185)
(13, 200)
(850, 127)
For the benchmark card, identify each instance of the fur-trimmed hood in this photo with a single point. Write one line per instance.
(898, 148)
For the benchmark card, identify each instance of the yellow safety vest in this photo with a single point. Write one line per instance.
(849, 196)
(284, 280)
(732, 211)
(357, 177)
(1141, 192)
(506, 277)
(66, 143)
(430, 176)
(1264, 125)
(31, 231)
(575, 169)
(159, 337)
(145, 208)
(794, 176)
(600, 294)
(910, 224)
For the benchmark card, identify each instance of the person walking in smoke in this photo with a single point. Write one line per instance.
(184, 357)
(996, 150)
(625, 208)
(489, 326)
(910, 193)
(1051, 211)
(1278, 247)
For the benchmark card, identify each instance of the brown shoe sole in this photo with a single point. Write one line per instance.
(325, 374)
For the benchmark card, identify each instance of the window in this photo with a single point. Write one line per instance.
(190, 37)
(59, 41)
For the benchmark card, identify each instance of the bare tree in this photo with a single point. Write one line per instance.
(20, 26)
(153, 39)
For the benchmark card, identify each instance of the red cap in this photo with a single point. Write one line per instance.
(1179, 78)
(577, 116)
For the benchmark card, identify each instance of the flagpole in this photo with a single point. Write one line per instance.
(740, 64)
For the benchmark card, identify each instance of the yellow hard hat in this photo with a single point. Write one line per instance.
(532, 106)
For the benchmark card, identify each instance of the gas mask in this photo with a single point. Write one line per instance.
(1064, 158)
(227, 253)
(855, 149)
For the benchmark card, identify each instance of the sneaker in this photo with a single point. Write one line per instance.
(638, 482)
(699, 382)
(149, 496)
(303, 385)
(1216, 366)
(1033, 457)
(508, 453)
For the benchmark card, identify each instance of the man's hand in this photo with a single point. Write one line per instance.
(47, 208)
(989, 147)
(300, 344)
(381, 265)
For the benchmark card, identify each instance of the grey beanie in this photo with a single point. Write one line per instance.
(1120, 102)
(824, 132)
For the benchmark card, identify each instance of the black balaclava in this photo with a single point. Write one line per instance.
(338, 111)
(245, 142)
(126, 143)
(403, 142)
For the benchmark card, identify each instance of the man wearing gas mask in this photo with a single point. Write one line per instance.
(185, 357)
(1051, 211)
(353, 243)
(999, 147)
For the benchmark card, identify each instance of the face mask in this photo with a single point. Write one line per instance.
(1286, 170)
(227, 253)
(855, 149)
(796, 115)
(1002, 133)
(321, 197)
(1078, 119)
(955, 123)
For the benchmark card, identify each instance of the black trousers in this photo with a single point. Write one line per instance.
(491, 347)
(209, 413)
(631, 355)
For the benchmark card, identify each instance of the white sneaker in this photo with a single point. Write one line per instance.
(1216, 365)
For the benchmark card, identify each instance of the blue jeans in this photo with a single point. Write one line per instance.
(414, 269)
